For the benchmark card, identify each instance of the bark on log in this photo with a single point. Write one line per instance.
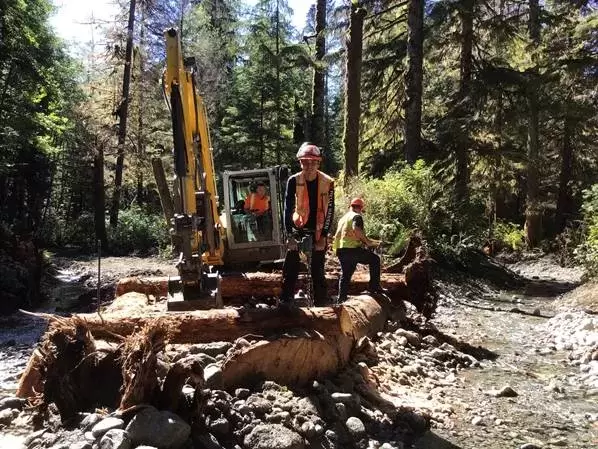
(238, 286)
(204, 326)
(298, 358)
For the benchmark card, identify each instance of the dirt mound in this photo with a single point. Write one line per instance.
(584, 297)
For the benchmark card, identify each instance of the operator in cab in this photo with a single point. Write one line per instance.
(257, 202)
(308, 211)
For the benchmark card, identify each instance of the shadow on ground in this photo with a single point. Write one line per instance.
(432, 441)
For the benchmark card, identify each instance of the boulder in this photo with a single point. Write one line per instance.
(162, 429)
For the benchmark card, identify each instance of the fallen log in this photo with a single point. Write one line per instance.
(298, 357)
(290, 347)
(228, 324)
(236, 287)
(293, 347)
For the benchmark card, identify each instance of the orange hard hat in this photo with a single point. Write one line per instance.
(309, 151)
(358, 202)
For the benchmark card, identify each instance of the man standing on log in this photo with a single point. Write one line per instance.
(349, 242)
(308, 212)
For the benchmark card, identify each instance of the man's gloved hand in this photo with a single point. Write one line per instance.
(292, 244)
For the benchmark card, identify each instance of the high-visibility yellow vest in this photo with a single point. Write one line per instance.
(301, 213)
(345, 236)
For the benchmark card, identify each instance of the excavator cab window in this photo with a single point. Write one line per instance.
(252, 213)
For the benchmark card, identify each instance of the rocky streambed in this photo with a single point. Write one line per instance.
(494, 369)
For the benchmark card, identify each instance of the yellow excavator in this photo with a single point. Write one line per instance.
(210, 241)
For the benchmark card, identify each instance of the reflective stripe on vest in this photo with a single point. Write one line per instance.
(301, 213)
(345, 236)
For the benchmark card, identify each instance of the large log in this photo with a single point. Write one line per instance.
(228, 324)
(323, 336)
(237, 286)
(299, 357)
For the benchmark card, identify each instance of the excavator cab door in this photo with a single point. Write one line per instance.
(253, 216)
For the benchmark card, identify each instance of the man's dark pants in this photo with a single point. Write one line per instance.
(349, 258)
(290, 274)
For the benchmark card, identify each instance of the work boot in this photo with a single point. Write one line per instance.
(287, 305)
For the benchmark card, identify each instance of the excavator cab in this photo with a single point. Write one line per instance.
(253, 216)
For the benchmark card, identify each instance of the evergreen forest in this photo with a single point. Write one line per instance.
(472, 122)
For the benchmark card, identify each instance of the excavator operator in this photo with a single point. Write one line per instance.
(257, 205)
(308, 211)
(257, 202)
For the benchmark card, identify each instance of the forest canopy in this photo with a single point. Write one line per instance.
(473, 121)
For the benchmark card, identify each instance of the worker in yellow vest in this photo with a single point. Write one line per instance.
(309, 210)
(349, 242)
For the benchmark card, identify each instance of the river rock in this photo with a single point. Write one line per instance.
(7, 415)
(529, 446)
(355, 427)
(115, 439)
(212, 349)
(504, 392)
(273, 436)
(161, 429)
(105, 425)
(90, 420)
(12, 402)
(345, 398)
(259, 404)
(220, 426)
(242, 393)
(213, 376)
(81, 445)
(208, 441)
(477, 421)
(306, 406)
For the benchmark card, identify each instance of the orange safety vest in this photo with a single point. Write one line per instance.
(301, 213)
(253, 201)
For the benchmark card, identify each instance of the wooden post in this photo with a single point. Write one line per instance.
(163, 191)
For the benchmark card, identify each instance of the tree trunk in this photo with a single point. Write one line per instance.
(353, 92)
(278, 102)
(99, 195)
(563, 204)
(123, 110)
(163, 191)
(533, 213)
(464, 103)
(413, 81)
(316, 129)
(140, 112)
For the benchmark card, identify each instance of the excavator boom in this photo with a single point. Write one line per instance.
(197, 227)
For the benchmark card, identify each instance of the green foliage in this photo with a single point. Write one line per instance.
(138, 232)
(400, 203)
(510, 235)
(587, 252)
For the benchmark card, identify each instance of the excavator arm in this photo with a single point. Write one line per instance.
(197, 227)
